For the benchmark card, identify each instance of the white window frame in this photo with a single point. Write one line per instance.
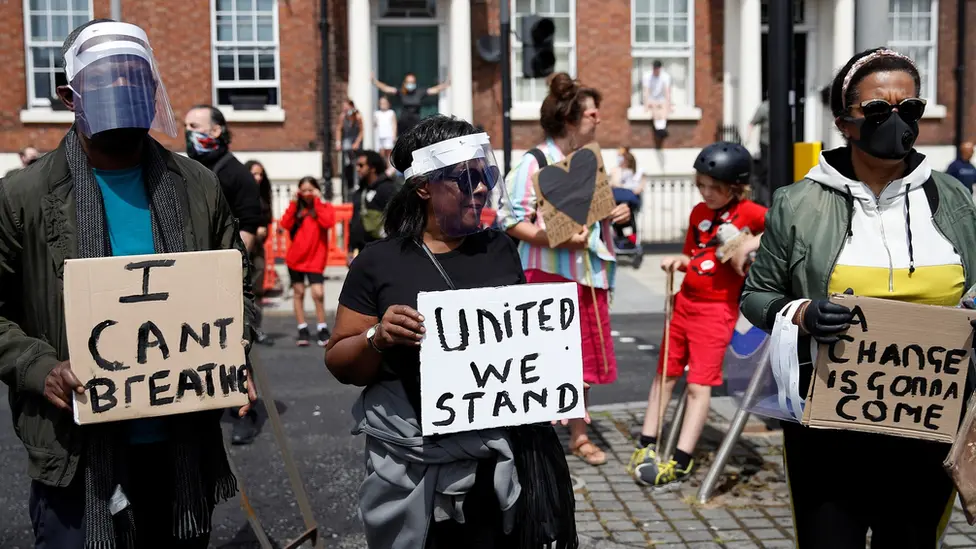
(929, 81)
(271, 113)
(33, 103)
(529, 110)
(640, 50)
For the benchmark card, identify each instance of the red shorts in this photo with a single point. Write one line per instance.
(700, 333)
(595, 372)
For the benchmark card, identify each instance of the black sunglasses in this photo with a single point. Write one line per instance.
(878, 110)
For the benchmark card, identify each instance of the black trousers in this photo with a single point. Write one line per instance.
(482, 528)
(844, 482)
(58, 514)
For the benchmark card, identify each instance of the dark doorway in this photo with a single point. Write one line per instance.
(798, 79)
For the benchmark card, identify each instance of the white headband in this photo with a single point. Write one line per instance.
(859, 64)
(447, 153)
(74, 61)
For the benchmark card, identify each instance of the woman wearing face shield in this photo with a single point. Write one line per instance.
(411, 98)
(514, 482)
(872, 219)
(569, 116)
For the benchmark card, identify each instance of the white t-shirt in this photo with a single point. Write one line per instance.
(384, 123)
(657, 85)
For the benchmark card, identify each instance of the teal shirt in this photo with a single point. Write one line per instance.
(130, 233)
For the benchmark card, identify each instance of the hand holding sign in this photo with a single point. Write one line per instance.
(400, 325)
(825, 320)
(59, 385)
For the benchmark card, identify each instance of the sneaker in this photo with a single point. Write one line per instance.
(641, 455)
(660, 475)
(324, 336)
(245, 429)
(303, 336)
(262, 338)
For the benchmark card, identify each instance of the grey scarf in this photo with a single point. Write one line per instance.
(200, 473)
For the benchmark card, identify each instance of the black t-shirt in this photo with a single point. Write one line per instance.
(393, 271)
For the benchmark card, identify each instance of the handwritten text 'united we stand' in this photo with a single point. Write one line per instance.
(496, 357)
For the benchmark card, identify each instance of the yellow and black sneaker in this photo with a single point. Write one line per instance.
(641, 455)
(661, 475)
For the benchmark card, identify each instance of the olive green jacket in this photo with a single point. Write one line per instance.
(805, 231)
(37, 235)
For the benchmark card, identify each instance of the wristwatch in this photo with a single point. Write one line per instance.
(370, 335)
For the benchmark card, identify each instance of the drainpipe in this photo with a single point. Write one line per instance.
(326, 100)
(117, 10)
(960, 71)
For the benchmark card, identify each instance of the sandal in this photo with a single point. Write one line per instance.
(589, 452)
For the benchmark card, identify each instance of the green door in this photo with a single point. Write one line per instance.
(409, 49)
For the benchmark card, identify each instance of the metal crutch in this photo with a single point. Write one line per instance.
(662, 379)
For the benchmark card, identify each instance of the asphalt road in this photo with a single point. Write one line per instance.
(315, 411)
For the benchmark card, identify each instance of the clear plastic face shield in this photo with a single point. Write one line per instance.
(463, 180)
(115, 80)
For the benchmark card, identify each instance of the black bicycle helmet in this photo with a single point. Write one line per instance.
(727, 162)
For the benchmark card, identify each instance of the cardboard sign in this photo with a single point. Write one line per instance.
(573, 193)
(155, 335)
(494, 357)
(899, 370)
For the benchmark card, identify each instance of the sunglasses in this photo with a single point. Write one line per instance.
(878, 110)
(469, 179)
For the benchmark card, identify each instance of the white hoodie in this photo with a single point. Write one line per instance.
(893, 250)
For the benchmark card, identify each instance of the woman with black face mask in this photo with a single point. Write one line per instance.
(872, 219)
(411, 97)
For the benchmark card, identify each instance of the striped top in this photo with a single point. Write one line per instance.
(566, 263)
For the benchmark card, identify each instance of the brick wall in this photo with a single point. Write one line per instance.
(180, 35)
(939, 131)
(969, 126)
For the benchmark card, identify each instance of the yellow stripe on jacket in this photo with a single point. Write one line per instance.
(934, 285)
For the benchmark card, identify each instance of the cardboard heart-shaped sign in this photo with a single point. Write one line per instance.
(573, 193)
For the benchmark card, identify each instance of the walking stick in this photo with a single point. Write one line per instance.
(663, 403)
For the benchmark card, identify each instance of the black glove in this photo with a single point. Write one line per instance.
(824, 320)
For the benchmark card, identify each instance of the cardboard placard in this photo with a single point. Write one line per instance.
(494, 357)
(573, 193)
(155, 335)
(899, 370)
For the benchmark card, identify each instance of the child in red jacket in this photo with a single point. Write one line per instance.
(706, 308)
(308, 220)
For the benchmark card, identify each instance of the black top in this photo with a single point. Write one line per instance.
(411, 102)
(393, 271)
(241, 191)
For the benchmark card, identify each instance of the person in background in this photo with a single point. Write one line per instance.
(657, 98)
(348, 140)
(386, 131)
(208, 142)
(761, 120)
(258, 260)
(873, 219)
(109, 189)
(962, 167)
(627, 183)
(308, 220)
(411, 98)
(705, 309)
(485, 489)
(375, 190)
(28, 155)
(569, 117)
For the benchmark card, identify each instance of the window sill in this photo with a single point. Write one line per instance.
(42, 115)
(935, 112)
(525, 112)
(269, 114)
(679, 114)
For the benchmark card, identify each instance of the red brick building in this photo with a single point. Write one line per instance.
(260, 60)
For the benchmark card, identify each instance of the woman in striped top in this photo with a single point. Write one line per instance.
(569, 117)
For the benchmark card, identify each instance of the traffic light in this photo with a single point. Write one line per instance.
(538, 57)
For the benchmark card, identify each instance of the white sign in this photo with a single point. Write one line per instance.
(495, 357)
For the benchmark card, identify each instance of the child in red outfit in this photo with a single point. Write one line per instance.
(308, 220)
(706, 308)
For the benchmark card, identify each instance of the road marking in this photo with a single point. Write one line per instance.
(626, 339)
(646, 347)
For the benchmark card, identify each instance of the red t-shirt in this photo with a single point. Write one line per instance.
(309, 249)
(708, 279)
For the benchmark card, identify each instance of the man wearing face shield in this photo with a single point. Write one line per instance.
(109, 189)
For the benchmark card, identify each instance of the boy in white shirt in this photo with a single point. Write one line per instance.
(386, 129)
(657, 98)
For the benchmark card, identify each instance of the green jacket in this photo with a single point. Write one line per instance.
(37, 234)
(805, 231)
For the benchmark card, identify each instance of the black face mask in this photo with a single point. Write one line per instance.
(891, 139)
(119, 142)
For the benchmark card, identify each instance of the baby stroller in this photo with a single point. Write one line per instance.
(626, 238)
